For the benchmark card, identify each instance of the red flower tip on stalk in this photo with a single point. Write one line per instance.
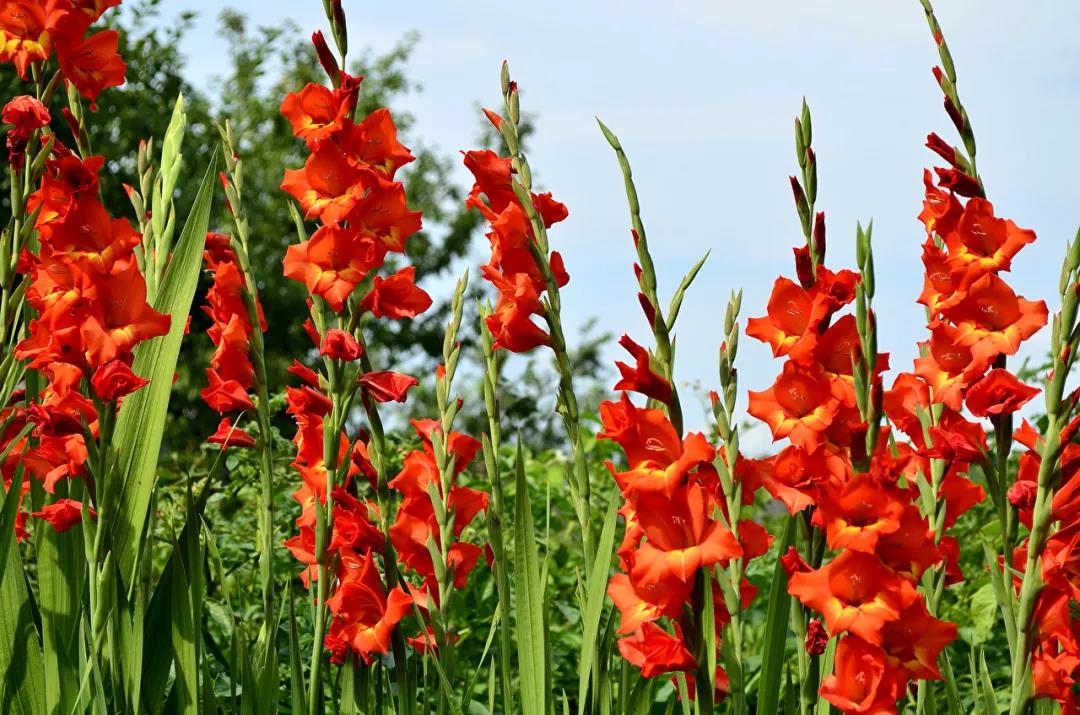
(387, 386)
(958, 182)
(816, 637)
(819, 235)
(647, 308)
(1022, 495)
(73, 124)
(941, 147)
(229, 436)
(63, 514)
(641, 378)
(326, 57)
(797, 192)
(26, 114)
(340, 345)
(493, 117)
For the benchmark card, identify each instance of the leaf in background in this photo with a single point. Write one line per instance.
(185, 661)
(141, 422)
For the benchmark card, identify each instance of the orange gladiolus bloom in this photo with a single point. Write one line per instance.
(316, 112)
(862, 680)
(948, 368)
(982, 243)
(91, 63)
(680, 534)
(791, 324)
(856, 512)
(800, 405)
(998, 393)
(122, 318)
(329, 186)
(914, 641)
(333, 261)
(26, 32)
(855, 592)
(991, 320)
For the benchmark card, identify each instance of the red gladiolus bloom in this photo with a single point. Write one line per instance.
(329, 186)
(639, 604)
(229, 436)
(375, 143)
(364, 614)
(948, 368)
(63, 514)
(397, 296)
(982, 243)
(992, 320)
(862, 680)
(800, 405)
(857, 512)
(122, 319)
(640, 378)
(854, 592)
(387, 386)
(656, 652)
(914, 641)
(316, 113)
(658, 460)
(340, 345)
(794, 315)
(998, 393)
(115, 380)
(25, 114)
(88, 235)
(91, 64)
(225, 395)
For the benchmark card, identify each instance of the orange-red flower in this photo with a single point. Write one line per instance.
(800, 405)
(681, 535)
(948, 368)
(856, 512)
(92, 63)
(791, 325)
(862, 680)
(396, 296)
(998, 393)
(855, 592)
(329, 186)
(981, 243)
(364, 613)
(316, 112)
(26, 28)
(333, 262)
(656, 652)
(991, 320)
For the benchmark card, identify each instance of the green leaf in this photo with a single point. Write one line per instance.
(529, 603)
(296, 668)
(141, 422)
(989, 698)
(22, 690)
(594, 603)
(984, 614)
(774, 641)
(185, 661)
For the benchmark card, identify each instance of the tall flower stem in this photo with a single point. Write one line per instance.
(1064, 342)
(567, 399)
(492, 441)
(233, 183)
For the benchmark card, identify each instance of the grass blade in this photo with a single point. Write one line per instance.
(529, 603)
(776, 631)
(594, 603)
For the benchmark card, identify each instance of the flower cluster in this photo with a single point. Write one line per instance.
(89, 298)
(32, 30)
(230, 375)
(514, 270)
(348, 184)
(416, 525)
(677, 529)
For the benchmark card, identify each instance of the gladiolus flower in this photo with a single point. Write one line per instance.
(856, 512)
(115, 380)
(816, 637)
(387, 386)
(794, 315)
(365, 615)
(315, 113)
(229, 436)
(998, 393)
(915, 640)
(340, 345)
(26, 32)
(992, 320)
(91, 64)
(396, 297)
(800, 405)
(333, 261)
(640, 378)
(63, 514)
(854, 592)
(862, 680)
(656, 652)
(26, 114)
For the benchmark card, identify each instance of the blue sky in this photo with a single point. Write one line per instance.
(702, 95)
